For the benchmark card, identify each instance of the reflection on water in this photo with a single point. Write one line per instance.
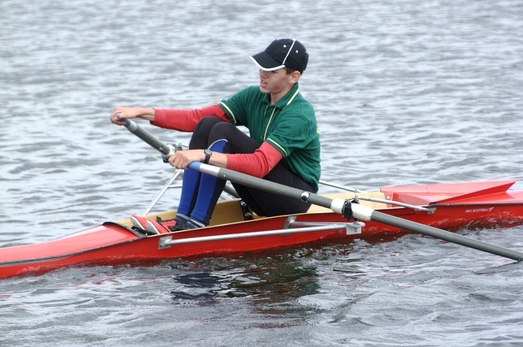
(273, 278)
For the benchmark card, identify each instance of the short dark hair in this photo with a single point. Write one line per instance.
(289, 70)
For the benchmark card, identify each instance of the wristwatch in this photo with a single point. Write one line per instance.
(208, 154)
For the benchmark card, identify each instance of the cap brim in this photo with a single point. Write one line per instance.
(265, 62)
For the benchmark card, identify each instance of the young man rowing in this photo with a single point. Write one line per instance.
(283, 145)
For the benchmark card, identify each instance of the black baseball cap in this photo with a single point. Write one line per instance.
(280, 53)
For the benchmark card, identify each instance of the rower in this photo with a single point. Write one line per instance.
(283, 144)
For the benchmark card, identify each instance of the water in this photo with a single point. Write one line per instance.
(406, 92)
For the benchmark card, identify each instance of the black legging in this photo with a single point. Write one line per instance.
(211, 129)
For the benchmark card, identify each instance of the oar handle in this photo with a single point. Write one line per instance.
(166, 149)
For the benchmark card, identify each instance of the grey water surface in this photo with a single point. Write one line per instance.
(406, 92)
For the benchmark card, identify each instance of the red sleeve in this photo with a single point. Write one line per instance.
(185, 120)
(257, 164)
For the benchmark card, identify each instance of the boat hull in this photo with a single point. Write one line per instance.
(121, 245)
(118, 243)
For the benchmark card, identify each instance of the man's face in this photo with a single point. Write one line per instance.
(275, 82)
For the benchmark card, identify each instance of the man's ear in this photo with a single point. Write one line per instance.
(295, 76)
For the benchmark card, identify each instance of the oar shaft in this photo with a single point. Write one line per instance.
(445, 235)
(261, 184)
(356, 210)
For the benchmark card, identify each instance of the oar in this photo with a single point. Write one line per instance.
(347, 208)
(350, 210)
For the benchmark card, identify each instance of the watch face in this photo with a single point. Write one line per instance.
(208, 154)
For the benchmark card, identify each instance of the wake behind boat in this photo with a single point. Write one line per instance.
(234, 229)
